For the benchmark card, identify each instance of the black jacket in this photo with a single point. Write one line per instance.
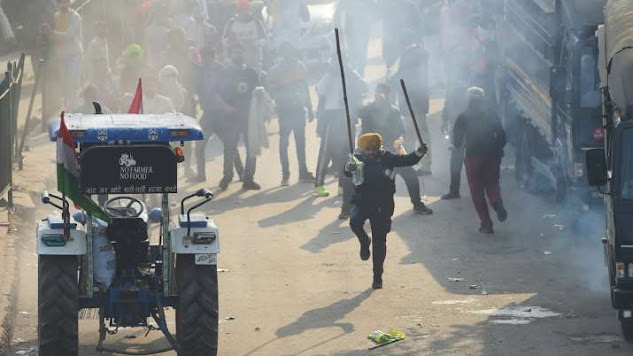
(480, 132)
(379, 185)
(382, 118)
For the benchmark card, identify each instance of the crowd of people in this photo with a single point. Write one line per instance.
(220, 62)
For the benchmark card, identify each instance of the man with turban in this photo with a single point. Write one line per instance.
(373, 169)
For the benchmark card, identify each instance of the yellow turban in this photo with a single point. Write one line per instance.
(370, 141)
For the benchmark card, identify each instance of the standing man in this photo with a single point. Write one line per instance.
(289, 89)
(483, 137)
(373, 201)
(454, 105)
(239, 81)
(355, 18)
(382, 118)
(399, 17)
(210, 78)
(67, 41)
(414, 70)
(332, 129)
(246, 30)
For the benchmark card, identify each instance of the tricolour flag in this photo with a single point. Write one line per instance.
(137, 102)
(68, 173)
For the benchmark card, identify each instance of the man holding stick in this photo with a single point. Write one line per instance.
(373, 168)
(383, 118)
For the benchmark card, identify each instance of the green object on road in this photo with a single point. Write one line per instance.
(382, 338)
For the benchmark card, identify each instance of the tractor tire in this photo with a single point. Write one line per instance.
(58, 306)
(627, 330)
(197, 309)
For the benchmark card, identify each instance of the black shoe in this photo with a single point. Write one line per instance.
(307, 177)
(224, 183)
(421, 209)
(251, 186)
(450, 196)
(344, 215)
(364, 250)
(486, 230)
(377, 282)
(424, 173)
(502, 213)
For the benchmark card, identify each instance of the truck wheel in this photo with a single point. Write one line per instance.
(627, 330)
(58, 306)
(197, 309)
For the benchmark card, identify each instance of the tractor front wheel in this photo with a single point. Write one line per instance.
(197, 310)
(58, 306)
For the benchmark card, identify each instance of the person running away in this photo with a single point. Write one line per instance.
(383, 118)
(373, 169)
(483, 138)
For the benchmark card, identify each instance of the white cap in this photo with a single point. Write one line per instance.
(475, 94)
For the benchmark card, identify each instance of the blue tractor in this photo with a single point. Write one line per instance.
(108, 261)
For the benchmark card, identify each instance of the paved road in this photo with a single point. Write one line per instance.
(295, 285)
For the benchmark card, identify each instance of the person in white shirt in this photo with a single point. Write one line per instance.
(331, 127)
(247, 31)
(68, 50)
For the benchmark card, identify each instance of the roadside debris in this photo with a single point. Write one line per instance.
(456, 279)
(549, 216)
(547, 252)
(559, 227)
(383, 339)
(483, 292)
(257, 329)
(223, 270)
(229, 318)
(474, 286)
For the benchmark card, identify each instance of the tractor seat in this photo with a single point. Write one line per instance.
(126, 229)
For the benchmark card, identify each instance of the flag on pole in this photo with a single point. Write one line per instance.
(137, 102)
(68, 173)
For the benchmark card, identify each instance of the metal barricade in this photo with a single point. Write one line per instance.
(10, 90)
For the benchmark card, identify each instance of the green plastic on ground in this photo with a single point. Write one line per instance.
(380, 337)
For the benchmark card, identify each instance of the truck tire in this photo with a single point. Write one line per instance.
(58, 306)
(627, 330)
(197, 308)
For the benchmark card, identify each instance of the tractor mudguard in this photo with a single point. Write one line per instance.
(198, 236)
(51, 241)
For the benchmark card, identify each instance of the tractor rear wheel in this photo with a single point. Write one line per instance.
(58, 306)
(197, 310)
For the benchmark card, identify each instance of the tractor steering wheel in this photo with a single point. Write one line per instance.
(121, 210)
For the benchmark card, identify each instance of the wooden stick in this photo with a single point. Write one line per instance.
(347, 116)
(415, 122)
(385, 344)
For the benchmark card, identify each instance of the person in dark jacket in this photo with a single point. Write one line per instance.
(289, 88)
(383, 118)
(373, 170)
(236, 90)
(483, 138)
(454, 105)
